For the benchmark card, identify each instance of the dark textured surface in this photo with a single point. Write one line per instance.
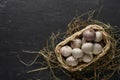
(27, 24)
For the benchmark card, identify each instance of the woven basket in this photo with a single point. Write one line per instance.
(80, 66)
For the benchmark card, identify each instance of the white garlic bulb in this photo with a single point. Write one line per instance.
(77, 53)
(76, 43)
(87, 48)
(97, 48)
(98, 36)
(87, 58)
(89, 34)
(71, 61)
(66, 51)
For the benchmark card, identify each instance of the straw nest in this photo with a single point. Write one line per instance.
(80, 66)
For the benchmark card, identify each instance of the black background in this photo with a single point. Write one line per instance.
(27, 24)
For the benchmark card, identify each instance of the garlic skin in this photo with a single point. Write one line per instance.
(71, 61)
(83, 40)
(98, 36)
(89, 34)
(87, 48)
(66, 51)
(76, 43)
(87, 58)
(97, 48)
(77, 53)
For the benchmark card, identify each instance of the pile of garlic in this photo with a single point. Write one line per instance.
(83, 49)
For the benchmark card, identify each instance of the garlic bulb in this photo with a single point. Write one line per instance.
(71, 61)
(76, 43)
(98, 37)
(87, 48)
(66, 51)
(77, 53)
(89, 34)
(87, 58)
(97, 48)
